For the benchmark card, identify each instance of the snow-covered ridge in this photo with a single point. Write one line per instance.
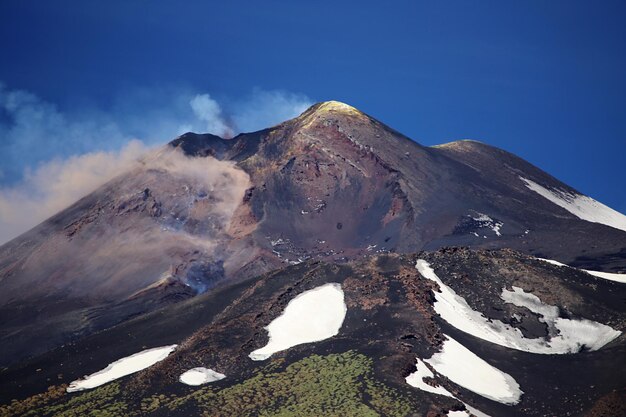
(581, 206)
(122, 367)
(312, 316)
(567, 335)
(604, 275)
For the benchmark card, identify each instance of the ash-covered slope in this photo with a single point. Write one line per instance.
(331, 184)
(152, 236)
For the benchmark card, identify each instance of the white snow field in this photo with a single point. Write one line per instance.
(199, 376)
(122, 367)
(581, 206)
(466, 369)
(573, 334)
(312, 316)
(604, 275)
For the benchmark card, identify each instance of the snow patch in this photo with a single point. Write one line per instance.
(581, 206)
(199, 376)
(608, 275)
(277, 242)
(416, 379)
(457, 414)
(573, 335)
(551, 261)
(521, 298)
(604, 275)
(475, 411)
(470, 409)
(312, 316)
(466, 369)
(122, 367)
(568, 336)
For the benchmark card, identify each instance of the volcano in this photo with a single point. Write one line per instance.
(328, 265)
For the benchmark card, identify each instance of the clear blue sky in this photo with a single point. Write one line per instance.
(545, 80)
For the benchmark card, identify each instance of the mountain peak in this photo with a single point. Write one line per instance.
(335, 107)
(461, 143)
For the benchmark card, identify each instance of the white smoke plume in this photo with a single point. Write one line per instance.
(197, 198)
(50, 158)
(209, 111)
(220, 179)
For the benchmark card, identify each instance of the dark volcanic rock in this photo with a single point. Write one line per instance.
(390, 319)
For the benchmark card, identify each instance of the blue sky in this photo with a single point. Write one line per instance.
(542, 79)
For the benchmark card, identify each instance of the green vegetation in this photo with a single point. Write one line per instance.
(333, 385)
(337, 384)
(100, 402)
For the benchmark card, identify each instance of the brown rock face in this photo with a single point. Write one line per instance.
(336, 183)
